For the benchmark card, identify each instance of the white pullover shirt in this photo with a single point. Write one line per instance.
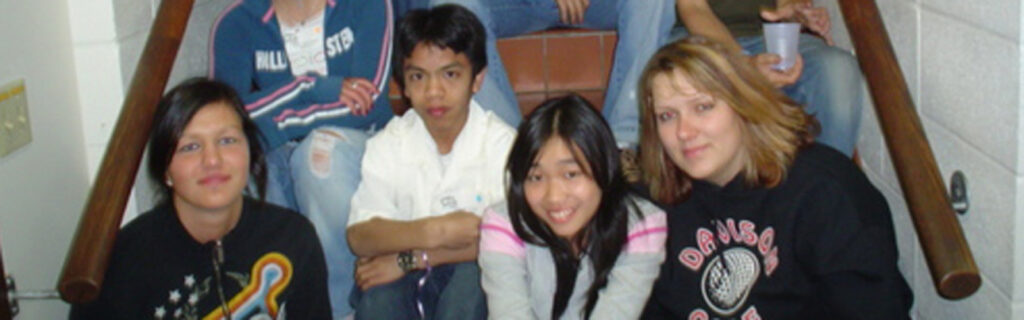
(403, 177)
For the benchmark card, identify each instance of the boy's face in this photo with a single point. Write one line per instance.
(439, 84)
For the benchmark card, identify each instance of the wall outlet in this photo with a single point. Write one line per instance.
(15, 127)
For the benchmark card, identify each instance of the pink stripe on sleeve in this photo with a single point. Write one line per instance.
(497, 235)
(385, 50)
(268, 15)
(649, 235)
(259, 103)
(287, 113)
(213, 35)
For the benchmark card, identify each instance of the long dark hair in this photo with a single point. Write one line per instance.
(173, 114)
(575, 121)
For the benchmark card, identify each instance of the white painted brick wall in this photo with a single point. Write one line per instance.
(97, 68)
(132, 17)
(969, 84)
(996, 17)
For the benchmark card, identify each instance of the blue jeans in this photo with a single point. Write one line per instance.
(452, 291)
(830, 87)
(323, 193)
(280, 187)
(642, 27)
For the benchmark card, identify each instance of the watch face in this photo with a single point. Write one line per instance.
(406, 261)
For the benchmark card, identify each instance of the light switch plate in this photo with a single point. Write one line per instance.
(15, 127)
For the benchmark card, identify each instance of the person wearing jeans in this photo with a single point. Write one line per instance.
(427, 176)
(314, 78)
(450, 291)
(323, 194)
(828, 84)
(829, 88)
(642, 27)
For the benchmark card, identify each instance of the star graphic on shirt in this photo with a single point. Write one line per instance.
(175, 296)
(177, 313)
(190, 280)
(159, 312)
(193, 299)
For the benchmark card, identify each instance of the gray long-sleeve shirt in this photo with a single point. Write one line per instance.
(519, 278)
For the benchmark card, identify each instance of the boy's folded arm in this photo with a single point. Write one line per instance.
(378, 236)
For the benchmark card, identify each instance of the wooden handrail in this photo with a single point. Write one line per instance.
(87, 259)
(949, 258)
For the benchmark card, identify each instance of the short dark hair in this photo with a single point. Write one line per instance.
(575, 121)
(173, 113)
(448, 26)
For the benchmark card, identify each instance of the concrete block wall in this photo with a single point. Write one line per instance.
(98, 69)
(133, 21)
(962, 62)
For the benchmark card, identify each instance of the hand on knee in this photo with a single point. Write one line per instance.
(376, 271)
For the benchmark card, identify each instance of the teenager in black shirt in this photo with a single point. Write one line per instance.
(763, 222)
(207, 251)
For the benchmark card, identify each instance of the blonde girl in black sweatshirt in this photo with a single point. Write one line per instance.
(763, 222)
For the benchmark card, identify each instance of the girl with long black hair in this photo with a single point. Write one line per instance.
(572, 241)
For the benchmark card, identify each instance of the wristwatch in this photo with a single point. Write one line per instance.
(406, 261)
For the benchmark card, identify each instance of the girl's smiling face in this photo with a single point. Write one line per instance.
(560, 190)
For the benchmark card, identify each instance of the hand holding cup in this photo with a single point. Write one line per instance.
(781, 38)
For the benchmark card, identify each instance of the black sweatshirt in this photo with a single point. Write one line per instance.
(158, 271)
(820, 245)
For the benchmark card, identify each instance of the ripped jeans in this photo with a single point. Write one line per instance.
(324, 172)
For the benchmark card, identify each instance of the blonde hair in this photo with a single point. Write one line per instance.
(773, 126)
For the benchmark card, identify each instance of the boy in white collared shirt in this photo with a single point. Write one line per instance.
(428, 176)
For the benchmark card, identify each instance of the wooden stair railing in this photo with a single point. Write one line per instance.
(952, 266)
(87, 259)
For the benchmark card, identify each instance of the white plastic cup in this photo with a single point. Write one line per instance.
(781, 38)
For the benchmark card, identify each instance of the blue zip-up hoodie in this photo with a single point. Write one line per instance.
(247, 52)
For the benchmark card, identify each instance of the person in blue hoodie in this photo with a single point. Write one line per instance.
(313, 76)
